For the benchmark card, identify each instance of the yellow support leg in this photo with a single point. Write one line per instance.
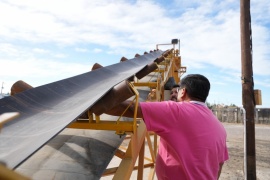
(127, 164)
(141, 162)
(8, 174)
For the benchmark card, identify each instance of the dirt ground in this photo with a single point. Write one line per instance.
(233, 168)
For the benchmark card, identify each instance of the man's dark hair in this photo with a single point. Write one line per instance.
(176, 86)
(197, 86)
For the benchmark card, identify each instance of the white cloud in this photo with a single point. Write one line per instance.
(97, 50)
(37, 72)
(81, 50)
(209, 31)
(18, 63)
(264, 82)
(40, 68)
(59, 55)
(40, 51)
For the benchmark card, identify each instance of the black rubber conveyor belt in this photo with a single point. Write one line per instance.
(46, 110)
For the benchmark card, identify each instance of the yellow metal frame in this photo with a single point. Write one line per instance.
(5, 117)
(171, 67)
(135, 129)
(8, 174)
(121, 127)
(166, 69)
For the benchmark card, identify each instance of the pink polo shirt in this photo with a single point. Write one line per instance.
(192, 140)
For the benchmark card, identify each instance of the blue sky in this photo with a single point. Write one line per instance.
(46, 41)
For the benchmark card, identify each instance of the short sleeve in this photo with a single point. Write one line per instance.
(156, 115)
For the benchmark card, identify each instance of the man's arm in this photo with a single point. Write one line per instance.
(118, 110)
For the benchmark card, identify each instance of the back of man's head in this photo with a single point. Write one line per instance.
(197, 86)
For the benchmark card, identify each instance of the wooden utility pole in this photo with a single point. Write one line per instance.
(248, 99)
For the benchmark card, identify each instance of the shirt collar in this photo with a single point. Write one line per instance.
(198, 102)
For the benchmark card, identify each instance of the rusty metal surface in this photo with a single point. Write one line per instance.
(46, 110)
(115, 96)
(19, 86)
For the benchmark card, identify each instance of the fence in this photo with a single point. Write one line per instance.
(235, 115)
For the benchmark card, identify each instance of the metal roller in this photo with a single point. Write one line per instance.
(115, 96)
(146, 70)
(160, 59)
(123, 59)
(19, 86)
(96, 66)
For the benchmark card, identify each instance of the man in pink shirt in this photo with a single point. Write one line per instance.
(192, 140)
